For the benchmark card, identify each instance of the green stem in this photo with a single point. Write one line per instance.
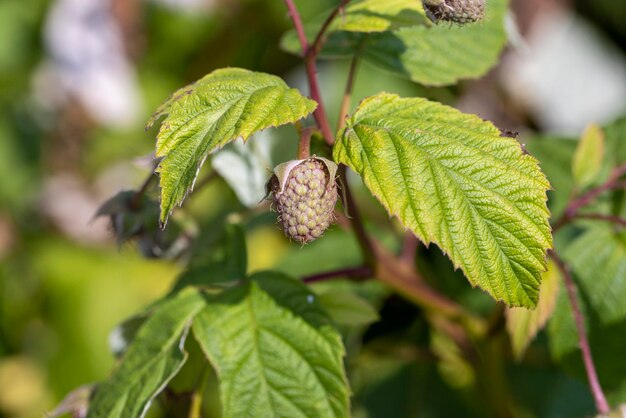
(347, 96)
(195, 408)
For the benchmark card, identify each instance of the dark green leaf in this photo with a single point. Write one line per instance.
(598, 259)
(274, 350)
(152, 360)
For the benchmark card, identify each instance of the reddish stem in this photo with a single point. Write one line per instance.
(578, 203)
(319, 39)
(304, 147)
(311, 70)
(409, 248)
(602, 217)
(592, 376)
(357, 273)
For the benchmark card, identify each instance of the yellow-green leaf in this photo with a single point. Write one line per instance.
(523, 324)
(589, 155)
(224, 105)
(454, 181)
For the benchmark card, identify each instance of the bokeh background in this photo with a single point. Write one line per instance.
(78, 81)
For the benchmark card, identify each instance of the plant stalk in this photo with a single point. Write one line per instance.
(592, 376)
(135, 202)
(319, 39)
(616, 220)
(355, 273)
(347, 96)
(311, 69)
(571, 212)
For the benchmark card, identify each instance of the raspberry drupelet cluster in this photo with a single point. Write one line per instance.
(304, 193)
(458, 11)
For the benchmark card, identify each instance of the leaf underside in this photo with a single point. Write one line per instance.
(224, 105)
(275, 351)
(454, 181)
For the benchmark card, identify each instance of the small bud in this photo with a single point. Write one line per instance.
(458, 11)
(304, 193)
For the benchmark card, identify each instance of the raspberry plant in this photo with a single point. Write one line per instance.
(450, 179)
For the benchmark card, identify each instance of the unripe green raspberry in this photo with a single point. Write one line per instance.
(304, 193)
(458, 11)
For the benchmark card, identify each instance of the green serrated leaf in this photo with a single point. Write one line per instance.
(598, 259)
(443, 54)
(346, 308)
(379, 16)
(412, 48)
(152, 360)
(224, 105)
(274, 350)
(589, 155)
(453, 180)
(360, 16)
(523, 324)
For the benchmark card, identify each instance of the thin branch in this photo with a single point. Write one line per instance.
(319, 39)
(405, 281)
(320, 112)
(344, 110)
(135, 203)
(578, 203)
(355, 273)
(602, 217)
(297, 24)
(592, 376)
(311, 70)
(409, 248)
